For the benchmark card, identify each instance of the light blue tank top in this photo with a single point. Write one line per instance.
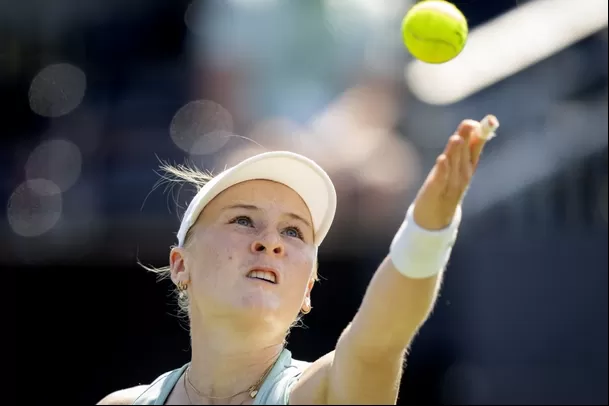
(275, 389)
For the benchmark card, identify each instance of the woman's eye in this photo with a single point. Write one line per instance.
(293, 232)
(242, 221)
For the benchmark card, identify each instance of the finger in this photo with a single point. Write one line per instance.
(452, 146)
(487, 129)
(467, 130)
(454, 158)
(442, 168)
(476, 147)
(438, 177)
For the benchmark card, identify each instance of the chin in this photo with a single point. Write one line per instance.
(262, 307)
(261, 302)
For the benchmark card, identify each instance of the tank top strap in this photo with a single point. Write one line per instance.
(159, 390)
(277, 386)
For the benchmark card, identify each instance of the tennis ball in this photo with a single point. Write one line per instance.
(434, 31)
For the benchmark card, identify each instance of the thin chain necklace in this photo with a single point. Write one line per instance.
(253, 389)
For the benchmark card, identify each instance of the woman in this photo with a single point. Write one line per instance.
(245, 265)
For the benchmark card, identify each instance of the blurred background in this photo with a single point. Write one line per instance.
(95, 93)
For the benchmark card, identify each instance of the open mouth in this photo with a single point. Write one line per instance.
(263, 275)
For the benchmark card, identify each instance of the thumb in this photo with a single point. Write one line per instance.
(484, 133)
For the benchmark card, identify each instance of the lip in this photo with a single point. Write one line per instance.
(266, 269)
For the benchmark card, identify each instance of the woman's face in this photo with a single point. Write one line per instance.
(250, 254)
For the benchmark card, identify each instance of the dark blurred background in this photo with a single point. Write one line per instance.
(94, 93)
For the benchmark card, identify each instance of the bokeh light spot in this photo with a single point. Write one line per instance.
(57, 90)
(34, 207)
(58, 160)
(201, 127)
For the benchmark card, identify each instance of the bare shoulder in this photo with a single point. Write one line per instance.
(123, 396)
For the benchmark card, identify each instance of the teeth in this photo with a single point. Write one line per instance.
(264, 275)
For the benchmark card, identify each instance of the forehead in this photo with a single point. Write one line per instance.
(264, 194)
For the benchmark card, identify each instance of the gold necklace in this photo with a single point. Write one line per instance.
(253, 389)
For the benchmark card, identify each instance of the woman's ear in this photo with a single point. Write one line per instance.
(177, 265)
(306, 305)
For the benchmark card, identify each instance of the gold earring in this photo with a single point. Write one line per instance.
(182, 286)
(303, 311)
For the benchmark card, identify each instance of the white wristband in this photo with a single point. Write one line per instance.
(419, 253)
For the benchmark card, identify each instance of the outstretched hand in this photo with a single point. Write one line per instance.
(402, 292)
(445, 186)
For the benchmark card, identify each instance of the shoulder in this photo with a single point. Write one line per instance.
(124, 396)
(155, 393)
(312, 385)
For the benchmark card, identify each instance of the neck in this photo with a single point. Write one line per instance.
(226, 361)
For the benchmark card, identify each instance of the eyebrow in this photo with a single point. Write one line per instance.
(256, 208)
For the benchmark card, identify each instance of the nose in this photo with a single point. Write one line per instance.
(269, 246)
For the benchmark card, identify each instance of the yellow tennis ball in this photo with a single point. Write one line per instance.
(434, 31)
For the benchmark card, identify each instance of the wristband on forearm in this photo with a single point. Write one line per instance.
(419, 253)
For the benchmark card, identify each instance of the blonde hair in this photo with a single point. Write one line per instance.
(186, 174)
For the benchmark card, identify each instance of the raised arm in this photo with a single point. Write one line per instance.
(366, 366)
(403, 290)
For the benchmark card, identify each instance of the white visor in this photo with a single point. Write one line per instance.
(295, 171)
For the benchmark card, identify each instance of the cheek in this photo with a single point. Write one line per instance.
(214, 256)
(302, 268)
